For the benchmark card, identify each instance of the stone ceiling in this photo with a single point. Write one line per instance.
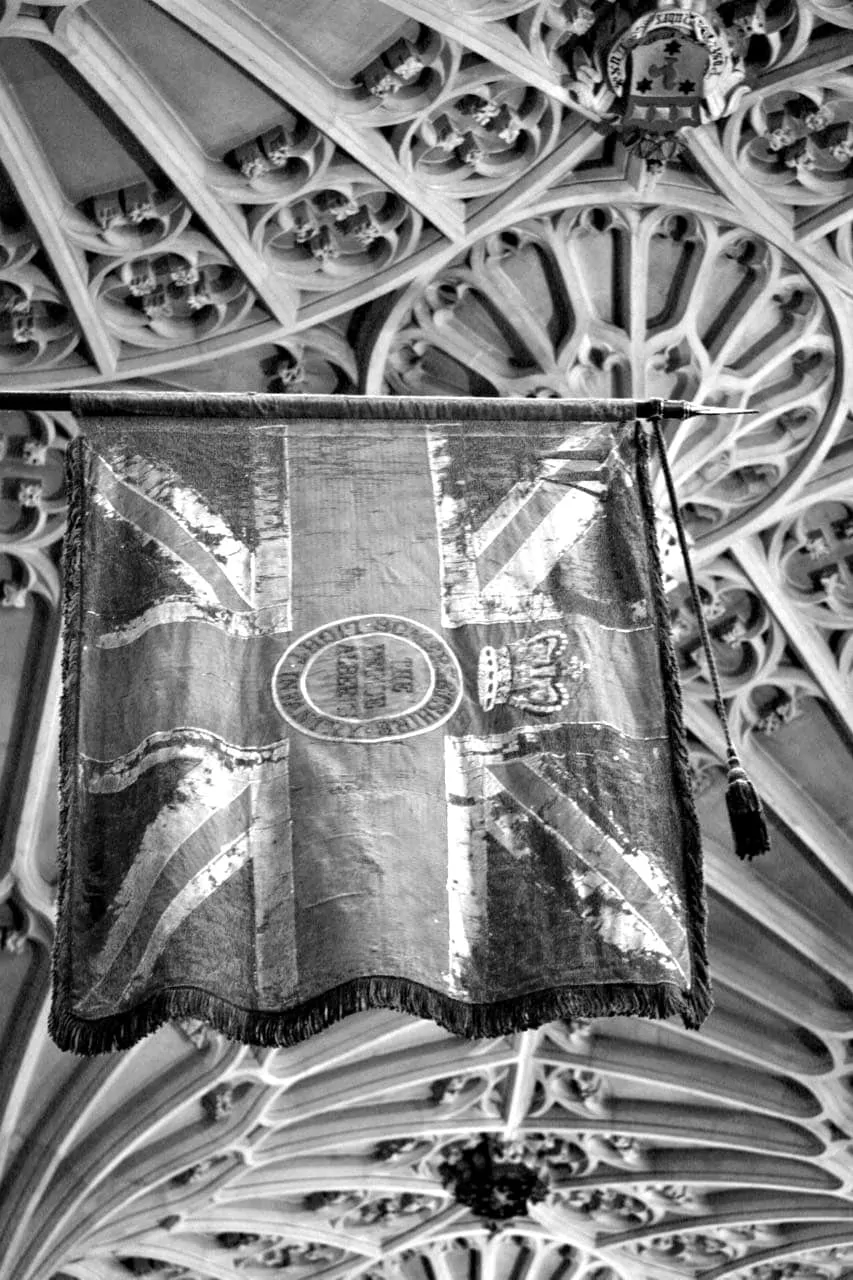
(456, 198)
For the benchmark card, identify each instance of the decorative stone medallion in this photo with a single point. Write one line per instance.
(368, 678)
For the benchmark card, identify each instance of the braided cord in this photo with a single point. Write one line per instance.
(705, 637)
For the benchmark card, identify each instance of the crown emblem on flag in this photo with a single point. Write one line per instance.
(536, 674)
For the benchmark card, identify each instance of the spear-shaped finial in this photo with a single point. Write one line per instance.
(685, 409)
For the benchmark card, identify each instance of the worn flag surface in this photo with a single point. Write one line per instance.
(368, 708)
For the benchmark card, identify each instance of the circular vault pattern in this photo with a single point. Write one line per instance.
(622, 301)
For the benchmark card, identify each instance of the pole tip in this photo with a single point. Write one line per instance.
(700, 410)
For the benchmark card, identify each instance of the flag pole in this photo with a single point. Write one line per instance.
(420, 408)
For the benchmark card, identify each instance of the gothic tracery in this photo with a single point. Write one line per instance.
(483, 198)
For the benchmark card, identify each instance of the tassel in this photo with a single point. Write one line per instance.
(746, 813)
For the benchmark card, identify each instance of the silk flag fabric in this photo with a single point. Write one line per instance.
(368, 703)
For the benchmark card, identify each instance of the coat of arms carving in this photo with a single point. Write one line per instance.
(672, 69)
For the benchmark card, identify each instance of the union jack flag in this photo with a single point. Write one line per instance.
(365, 712)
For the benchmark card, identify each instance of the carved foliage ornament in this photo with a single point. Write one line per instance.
(485, 132)
(345, 229)
(282, 157)
(738, 623)
(37, 327)
(763, 684)
(316, 361)
(462, 125)
(32, 507)
(797, 143)
(813, 555)
(559, 1157)
(354, 1210)
(407, 75)
(13, 927)
(158, 281)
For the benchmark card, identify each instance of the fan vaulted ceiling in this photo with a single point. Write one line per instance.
(454, 198)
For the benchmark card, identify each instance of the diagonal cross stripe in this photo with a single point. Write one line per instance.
(153, 520)
(557, 473)
(225, 863)
(216, 810)
(585, 840)
(543, 529)
(495, 563)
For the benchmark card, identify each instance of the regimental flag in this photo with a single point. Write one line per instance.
(369, 704)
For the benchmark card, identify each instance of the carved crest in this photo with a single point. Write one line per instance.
(672, 69)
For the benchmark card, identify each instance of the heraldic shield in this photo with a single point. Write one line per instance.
(369, 703)
(666, 74)
(672, 69)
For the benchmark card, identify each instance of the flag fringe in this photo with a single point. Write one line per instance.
(701, 1000)
(72, 639)
(281, 1029)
